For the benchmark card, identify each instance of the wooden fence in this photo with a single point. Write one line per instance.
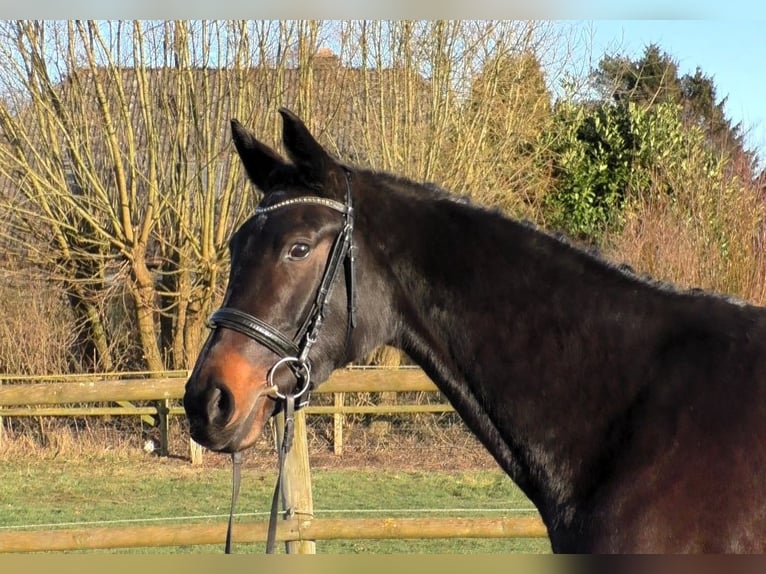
(57, 396)
(30, 397)
(292, 530)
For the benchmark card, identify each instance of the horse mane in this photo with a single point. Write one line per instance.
(432, 192)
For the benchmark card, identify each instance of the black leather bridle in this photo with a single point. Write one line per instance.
(294, 352)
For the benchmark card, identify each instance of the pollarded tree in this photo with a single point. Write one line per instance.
(116, 175)
(116, 168)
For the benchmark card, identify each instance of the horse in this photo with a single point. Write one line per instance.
(632, 413)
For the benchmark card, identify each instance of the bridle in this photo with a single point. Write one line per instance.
(294, 352)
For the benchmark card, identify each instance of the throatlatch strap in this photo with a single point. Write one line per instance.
(236, 461)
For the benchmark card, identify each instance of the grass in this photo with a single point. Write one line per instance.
(110, 489)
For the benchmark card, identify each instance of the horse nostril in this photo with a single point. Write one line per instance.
(220, 405)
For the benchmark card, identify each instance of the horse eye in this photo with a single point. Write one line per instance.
(299, 251)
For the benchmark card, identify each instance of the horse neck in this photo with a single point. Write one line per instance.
(521, 333)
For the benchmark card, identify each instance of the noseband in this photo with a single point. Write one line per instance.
(294, 352)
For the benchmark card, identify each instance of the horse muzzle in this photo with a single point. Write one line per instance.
(227, 400)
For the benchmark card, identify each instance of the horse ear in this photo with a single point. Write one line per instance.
(307, 154)
(258, 158)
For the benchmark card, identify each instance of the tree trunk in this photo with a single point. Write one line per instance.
(144, 295)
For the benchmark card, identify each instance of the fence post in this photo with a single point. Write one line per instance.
(296, 481)
(2, 424)
(195, 451)
(337, 420)
(163, 421)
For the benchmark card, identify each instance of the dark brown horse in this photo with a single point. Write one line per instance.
(632, 414)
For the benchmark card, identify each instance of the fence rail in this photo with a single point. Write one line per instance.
(28, 397)
(292, 530)
(90, 391)
(28, 391)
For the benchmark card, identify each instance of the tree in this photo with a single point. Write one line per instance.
(117, 180)
(116, 171)
(508, 111)
(612, 154)
(651, 79)
(654, 79)
(593, 150)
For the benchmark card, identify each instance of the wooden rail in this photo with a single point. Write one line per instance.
(288, 530)
(70, 394)
(352, 380)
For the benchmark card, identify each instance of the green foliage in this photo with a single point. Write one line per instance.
(608, 154)
(648, 80)
(592, 155)
(653, 79)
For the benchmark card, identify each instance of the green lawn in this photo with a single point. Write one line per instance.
(111, 491)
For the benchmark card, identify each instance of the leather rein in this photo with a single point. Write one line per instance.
(294, 352)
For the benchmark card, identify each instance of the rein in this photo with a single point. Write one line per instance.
(294, 352)
(236, 476)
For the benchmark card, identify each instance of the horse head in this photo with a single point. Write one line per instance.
(289, 309)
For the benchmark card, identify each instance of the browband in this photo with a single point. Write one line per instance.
(311, 200)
